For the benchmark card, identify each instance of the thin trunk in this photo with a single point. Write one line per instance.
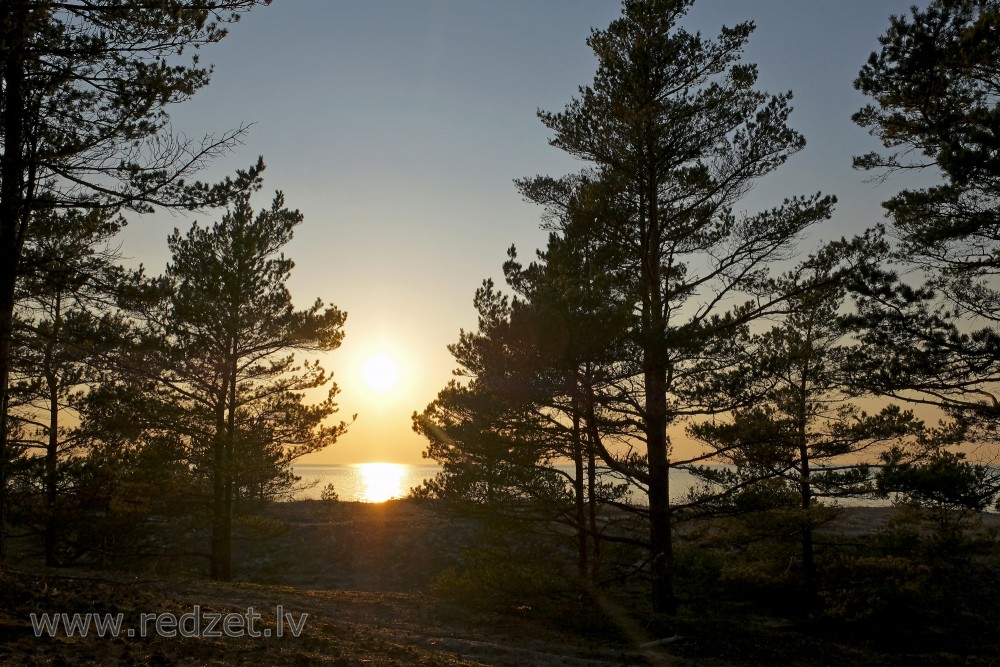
(808, 562)
(805, 491)
(578, 499)
(216, 570)
(227, 544)
(52, 446)
(222, 491)
(595, 535)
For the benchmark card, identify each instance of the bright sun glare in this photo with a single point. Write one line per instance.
(381, 372)
(381, 481)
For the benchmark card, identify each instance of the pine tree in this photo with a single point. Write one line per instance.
(530, 369)
(935, 107)
(800, 434)
(676, 134)
(223, 343)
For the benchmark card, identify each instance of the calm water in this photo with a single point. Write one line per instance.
(376, 482)
(365, 482)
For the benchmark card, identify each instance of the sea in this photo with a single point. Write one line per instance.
(377, 482)
(364, 482)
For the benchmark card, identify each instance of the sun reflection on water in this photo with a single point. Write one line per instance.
(381, 481)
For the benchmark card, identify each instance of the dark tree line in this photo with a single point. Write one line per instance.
(657, 304)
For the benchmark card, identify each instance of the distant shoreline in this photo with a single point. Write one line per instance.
(378, 481)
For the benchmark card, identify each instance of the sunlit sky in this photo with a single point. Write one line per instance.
(398, 126)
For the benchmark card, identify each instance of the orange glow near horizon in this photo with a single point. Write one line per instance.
(382, 379)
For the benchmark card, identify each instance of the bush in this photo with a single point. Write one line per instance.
(491, 579)
(329, 494)
(859, 588)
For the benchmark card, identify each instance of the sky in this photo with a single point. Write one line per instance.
(397, 128)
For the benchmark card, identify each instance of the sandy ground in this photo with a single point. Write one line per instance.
(364, 574)
(360, 571)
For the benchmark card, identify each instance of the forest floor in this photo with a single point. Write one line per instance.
(399, 583)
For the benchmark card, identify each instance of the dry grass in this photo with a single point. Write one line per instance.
(367, 576)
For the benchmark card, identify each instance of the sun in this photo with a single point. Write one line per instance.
(381, 372)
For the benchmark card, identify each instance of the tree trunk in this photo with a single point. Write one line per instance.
(52, 446)
(225, 449)
(805, 487)
(226, 542)
(655, 377)
(805, 491)
(230, 468)
(13, 19)
(216, 569)
(660, 537)
(595, 534)
(578, 499)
